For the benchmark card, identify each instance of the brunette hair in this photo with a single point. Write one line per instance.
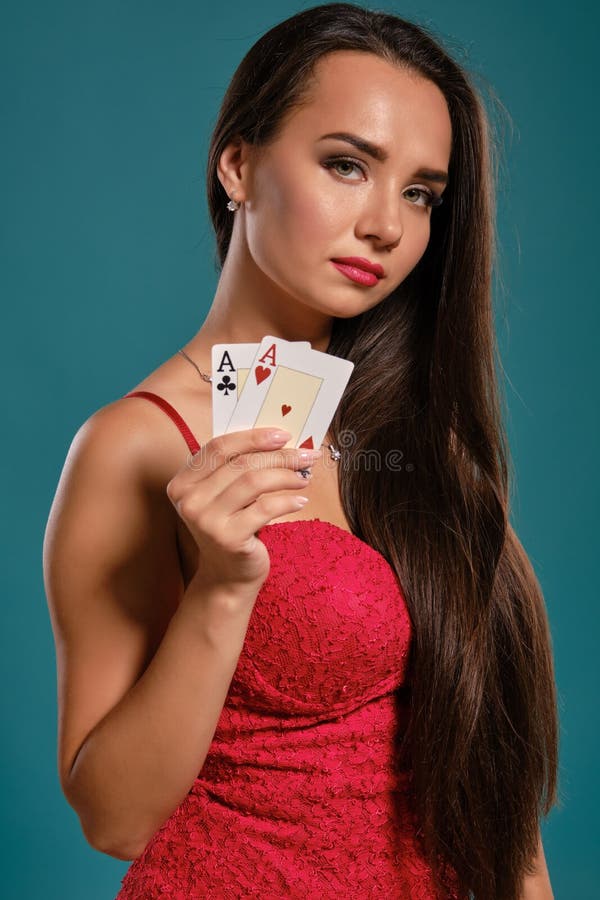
(482, 736)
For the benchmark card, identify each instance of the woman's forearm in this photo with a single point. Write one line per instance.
(537, 886)
(139, 763)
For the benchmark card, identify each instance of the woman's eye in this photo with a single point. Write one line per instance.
(428, 196)
(337, 162)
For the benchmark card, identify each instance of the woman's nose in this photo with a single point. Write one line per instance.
(383, 219)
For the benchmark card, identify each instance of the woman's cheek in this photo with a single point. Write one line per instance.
(419, 247)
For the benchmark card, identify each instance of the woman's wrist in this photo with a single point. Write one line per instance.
(220, 613)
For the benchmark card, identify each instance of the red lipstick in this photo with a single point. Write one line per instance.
(361, 263)
(361, 270)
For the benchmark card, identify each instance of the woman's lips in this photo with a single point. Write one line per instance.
(360, 276)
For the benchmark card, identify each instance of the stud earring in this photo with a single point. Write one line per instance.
(233, 204)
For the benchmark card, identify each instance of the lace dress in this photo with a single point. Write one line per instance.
(300, 795)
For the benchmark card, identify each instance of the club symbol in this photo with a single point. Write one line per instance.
(226, 385)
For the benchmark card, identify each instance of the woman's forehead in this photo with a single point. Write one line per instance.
(362, 93)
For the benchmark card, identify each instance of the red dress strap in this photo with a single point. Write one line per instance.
(172, 413)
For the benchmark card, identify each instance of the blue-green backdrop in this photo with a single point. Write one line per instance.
(107, 268)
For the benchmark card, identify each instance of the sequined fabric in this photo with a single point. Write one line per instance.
(299, 796)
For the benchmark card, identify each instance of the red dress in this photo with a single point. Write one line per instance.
(294, 799)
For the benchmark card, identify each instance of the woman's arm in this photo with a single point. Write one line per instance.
(537, 886)
(141, 679)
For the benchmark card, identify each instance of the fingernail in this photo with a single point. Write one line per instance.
(278, 437)
(309, 454)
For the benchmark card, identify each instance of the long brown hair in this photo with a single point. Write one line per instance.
(482, 737)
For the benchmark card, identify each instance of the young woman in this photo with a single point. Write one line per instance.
(353, 697)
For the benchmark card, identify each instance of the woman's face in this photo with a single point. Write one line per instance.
(303, 208)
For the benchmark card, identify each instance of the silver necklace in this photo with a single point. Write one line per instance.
(333, 452)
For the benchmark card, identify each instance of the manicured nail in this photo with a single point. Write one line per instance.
(310, 454)
(278, 437)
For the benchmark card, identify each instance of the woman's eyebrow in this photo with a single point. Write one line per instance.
(380, 154)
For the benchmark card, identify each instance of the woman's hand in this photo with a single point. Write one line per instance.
(230, 488)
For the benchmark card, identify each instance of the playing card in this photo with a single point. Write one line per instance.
(291, 387)
(230, 364)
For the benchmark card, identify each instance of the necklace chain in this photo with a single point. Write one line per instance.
(202, 375)
(334, 453)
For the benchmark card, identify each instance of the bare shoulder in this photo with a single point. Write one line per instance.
(110, 562)
(117, 467)
(111, 523)
(119, 435)
(132, 434)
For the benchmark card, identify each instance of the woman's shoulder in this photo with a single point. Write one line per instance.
(141, 432)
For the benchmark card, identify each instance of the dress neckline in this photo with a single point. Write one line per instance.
(327, 525)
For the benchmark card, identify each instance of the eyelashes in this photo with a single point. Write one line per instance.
(431, 199)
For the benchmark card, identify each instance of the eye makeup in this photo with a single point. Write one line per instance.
(431, 198)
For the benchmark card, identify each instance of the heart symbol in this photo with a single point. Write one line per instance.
(261, 373)
(285, 409)
(308, 443)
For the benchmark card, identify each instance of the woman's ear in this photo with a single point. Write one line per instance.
(233, 168)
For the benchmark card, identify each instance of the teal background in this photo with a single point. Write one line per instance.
(107, 268)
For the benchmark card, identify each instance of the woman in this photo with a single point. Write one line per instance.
(350, 695)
